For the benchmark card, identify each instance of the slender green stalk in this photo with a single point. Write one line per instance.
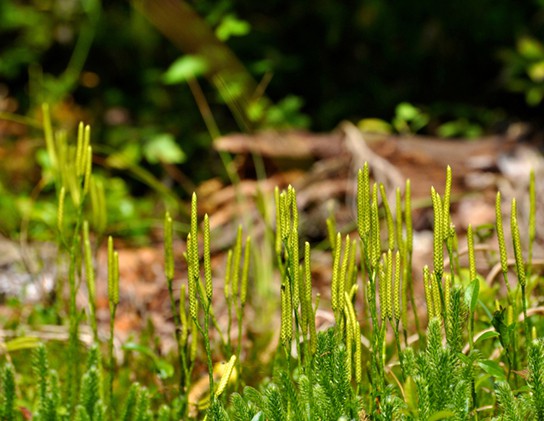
(169, 273)
(90, 280)
(335, 284)
(228, 297)
(471, 257)
(473, 289)
(113, 299)
(428, 292)
(408, 278)
(243, 293)
(438, 236)
(520, 265)
(502, 245)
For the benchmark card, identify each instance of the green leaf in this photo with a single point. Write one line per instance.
(410, 391)
(164, 369)
(471, 294)
(487, 335)
(441, 415)
(185, 68)
(500, 326)
(406, 111)
(409, 118)
(163, 148)
(536, 71)
(259, 416)
(534, 96)
(24, 342)
(530, 48)
(231, 26)
(492, 368)
(126, 157)
(374, 125)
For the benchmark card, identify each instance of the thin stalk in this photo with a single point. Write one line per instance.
(204, 331)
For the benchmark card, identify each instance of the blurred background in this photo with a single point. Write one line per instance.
(159, 80)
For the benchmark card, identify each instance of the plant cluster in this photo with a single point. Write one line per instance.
(480, 357)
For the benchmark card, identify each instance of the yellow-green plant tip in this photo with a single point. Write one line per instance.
(294, 267)
(349, 339)
(447, 293)
(236, 259)
(245, 271)
(360, 222)
(404, 293)
(192, 275)
(88, 169)
(194, 229)
(510, 315)
(446, 219)
(331, 232)
(437, 305)
(396, 294)
(427, 282)
(168, 248)
(520, 267)
(226, 376)
(344, 268)
(471, 257)
(306, 291)
(278, 221)
(80, 166)
(294, 208)
(353, 291)
(60, 211)
(48, 134)
(391, 233)
(352, 317)
(227, 289)
(398, 219)
(335, 299)
(115, 289)
(284, 215)
(438, 238)
(86, 140)
(363, 201)
(307, 272)
(286, 329)
(207, 259)
(388, 282)
(110, 266)
(375, 241)
(383, 286)
(500, 235)
(358, 359)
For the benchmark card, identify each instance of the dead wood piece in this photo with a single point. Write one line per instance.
(293, 145)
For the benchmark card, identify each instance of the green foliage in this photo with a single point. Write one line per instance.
(524, 69)
(409, 119)
(364, 367)
(325, 392)
(7, 403)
